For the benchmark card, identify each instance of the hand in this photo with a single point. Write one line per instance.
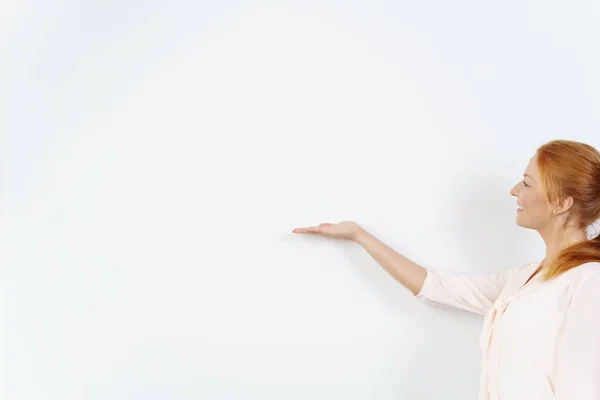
(342, 230)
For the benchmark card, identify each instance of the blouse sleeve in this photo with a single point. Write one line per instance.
(471, 292)
(578, 347)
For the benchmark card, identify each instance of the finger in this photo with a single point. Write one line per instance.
(301, 230)
(325, 224)
(310, 229)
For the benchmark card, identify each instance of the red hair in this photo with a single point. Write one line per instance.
(570, 168)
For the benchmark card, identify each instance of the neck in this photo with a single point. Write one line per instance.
(557, 238)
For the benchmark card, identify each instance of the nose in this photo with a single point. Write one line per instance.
(513, 191)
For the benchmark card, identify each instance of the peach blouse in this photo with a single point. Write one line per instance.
(540, 340)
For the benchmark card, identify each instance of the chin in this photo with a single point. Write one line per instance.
(522, 225)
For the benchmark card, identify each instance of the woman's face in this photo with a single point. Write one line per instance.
(535, 213)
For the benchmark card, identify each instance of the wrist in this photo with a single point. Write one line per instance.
(359, 235)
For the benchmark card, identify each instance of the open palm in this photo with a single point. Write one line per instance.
(342, 230)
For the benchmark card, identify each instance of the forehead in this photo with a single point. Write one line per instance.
(531, 168)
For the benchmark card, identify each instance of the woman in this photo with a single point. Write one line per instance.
(541, 333)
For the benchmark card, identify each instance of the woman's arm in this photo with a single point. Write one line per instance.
(410, 274)
(475, 292)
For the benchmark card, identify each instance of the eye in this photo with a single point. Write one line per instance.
(525, 184)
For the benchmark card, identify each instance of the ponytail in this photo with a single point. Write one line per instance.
(573, 256)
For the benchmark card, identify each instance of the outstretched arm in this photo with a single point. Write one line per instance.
(475, 293)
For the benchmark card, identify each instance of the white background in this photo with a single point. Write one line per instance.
(157, 155)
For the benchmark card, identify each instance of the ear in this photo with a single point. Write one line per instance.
(565, 204)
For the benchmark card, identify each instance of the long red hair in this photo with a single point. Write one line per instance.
(570, 168)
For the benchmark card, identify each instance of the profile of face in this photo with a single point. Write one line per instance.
(535, 212)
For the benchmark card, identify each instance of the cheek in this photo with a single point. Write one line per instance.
(525, 200)
(533, 201)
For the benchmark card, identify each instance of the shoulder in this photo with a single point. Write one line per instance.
(583, 277)
(584, 287)
(583, 272)
(588, 272)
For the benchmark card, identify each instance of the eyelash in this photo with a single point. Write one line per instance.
(525, 184)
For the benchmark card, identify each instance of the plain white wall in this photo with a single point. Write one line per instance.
(157, 155)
